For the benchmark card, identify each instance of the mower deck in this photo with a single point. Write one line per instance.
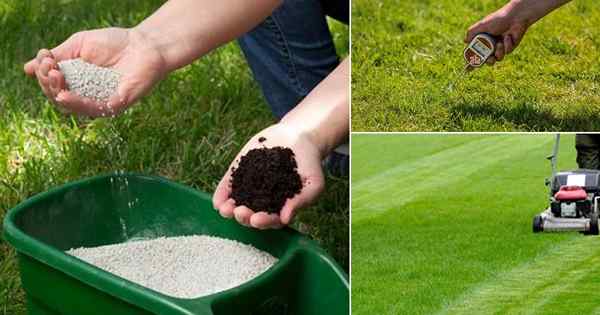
(547, 222)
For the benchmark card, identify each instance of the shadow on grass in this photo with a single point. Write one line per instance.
(524, 116)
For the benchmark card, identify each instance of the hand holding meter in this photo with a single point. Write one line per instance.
(479, 50)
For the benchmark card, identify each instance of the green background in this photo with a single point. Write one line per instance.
(407, 70)
(188, 129)
(441, 224)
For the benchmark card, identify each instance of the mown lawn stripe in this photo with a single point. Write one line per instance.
(401, 184)
(449, 240)
(562, 273)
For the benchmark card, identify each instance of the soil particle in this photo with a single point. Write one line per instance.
(265, 178)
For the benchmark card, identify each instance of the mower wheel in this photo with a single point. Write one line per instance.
(594, 224)
(538, 224)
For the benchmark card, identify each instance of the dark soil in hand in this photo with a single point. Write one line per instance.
(265, 178)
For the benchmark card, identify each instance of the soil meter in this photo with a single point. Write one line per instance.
(481, 47)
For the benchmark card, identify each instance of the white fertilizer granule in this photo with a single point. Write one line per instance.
(183, 267)
(89, 80)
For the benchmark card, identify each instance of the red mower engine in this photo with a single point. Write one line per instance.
(570, 202)
(574, 193)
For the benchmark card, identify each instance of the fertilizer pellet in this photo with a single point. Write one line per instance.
(183, 267)
(89, 80)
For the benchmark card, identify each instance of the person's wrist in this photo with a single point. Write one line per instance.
(306, 135)
(522, 12)
(149, 41)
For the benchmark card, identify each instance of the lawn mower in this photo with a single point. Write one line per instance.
(574, 200)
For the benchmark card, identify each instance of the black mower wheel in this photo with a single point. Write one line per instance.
(593, 224)
(538, 224)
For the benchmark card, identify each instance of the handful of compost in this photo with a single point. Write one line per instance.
(265, 178)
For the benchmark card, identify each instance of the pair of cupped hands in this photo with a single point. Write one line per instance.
(141, 67)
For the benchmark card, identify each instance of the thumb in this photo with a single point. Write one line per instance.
(222, 192)
(475, 29)
(308, 194)
(69, 49)
(127, 93)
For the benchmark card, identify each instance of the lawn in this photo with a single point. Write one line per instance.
(407, 70)
(188, 129)
(441, 224)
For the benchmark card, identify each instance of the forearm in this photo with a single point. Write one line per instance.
(324, 114)
(529, 11)
(184, 30)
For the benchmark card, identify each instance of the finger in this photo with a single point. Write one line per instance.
(222, 192)
(226, 208)
(128, 92)
(242, 215)
(262, 220)
(80, 105)
(499, 53)
(491, 61)
(30, 67)
(47, 65)
(116, 103)
(42, 73)
(517, 32)
(46, 91)
(309, 193)
(472, 31)
(508, 44)
(57, 82)
(43, 53)
(289, 210)
(44, 84)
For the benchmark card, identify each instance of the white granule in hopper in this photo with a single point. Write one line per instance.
(89, 80)
(183, 267)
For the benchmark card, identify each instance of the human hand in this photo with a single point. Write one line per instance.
(125, 50)
(308, 159)
(509, 24)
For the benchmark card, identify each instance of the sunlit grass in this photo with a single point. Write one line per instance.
(441, 224)
(188, 129)
(408, 70)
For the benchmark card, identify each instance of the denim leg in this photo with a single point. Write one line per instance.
(290, 53)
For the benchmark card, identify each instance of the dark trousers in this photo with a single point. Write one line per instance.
(588, 151)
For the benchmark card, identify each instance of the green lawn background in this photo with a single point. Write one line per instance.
(441, 224)
(188, 129)
(407, 70)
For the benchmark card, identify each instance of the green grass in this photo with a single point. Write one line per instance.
(441, 224)
(188, 129)
(407, 70)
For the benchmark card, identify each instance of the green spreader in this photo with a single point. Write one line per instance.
(111, 209)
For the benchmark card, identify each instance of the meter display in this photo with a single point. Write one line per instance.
(481, 47)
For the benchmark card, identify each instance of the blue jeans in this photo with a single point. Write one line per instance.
(291, 51)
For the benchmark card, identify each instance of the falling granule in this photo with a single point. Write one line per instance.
(89, 80)
(183, 267)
